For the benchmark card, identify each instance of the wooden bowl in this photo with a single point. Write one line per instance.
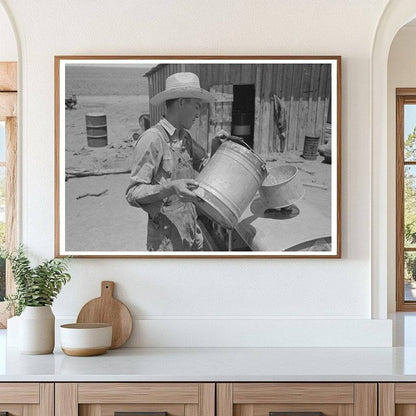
(84, 340)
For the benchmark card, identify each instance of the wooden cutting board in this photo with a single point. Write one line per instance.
(107, 309)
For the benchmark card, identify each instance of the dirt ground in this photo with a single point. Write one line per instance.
(313, 174)
(107, 222)
(122, 122)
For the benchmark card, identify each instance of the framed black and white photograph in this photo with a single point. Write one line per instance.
(198, 156)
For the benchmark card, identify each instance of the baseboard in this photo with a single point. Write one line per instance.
(248, 332)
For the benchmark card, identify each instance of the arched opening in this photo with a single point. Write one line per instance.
(401, 110)
(8, 148)
(396, 15)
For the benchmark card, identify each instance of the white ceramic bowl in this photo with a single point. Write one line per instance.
(84, 340)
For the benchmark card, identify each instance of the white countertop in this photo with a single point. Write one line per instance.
(222, 364)
(213, 364)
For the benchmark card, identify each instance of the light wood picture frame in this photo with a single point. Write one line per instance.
(272, 189)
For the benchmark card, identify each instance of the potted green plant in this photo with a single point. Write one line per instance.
(36, 289)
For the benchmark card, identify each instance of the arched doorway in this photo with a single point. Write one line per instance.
(396, 14)
(8, 148)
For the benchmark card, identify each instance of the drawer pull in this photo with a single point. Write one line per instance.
(296, 414)
(139, 414)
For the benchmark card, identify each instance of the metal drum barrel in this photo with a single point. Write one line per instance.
(241, 125)
(229, 182)
(310, 147)
(96, 129)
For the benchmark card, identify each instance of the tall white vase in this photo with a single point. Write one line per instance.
(37, 330)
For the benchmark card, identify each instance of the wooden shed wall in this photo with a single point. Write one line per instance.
(304, 90)
(209, 75)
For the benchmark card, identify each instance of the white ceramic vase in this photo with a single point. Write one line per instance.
(37, 330)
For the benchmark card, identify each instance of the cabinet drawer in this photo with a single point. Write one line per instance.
(296, 399)
(107, 399)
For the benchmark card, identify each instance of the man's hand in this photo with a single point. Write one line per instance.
(183, 188)
(222, 134)
(218, 140)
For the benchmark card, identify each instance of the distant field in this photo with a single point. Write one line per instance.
(95, 80)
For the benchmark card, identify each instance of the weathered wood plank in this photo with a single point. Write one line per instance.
(279, 71)
(303, 104)
(328, 99)
(313, 101)
(203, 76)
(293, 109)
(320, 107)
(226, 77)
(287, 94)
(257, 111)
(248, 74)
(235, 74)
(266, 110)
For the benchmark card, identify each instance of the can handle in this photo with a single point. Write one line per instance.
(240, 140)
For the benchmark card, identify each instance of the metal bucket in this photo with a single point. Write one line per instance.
(229, 182)
(96, 129)
(282, 187)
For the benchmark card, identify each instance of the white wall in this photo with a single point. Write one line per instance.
(401, 74)
(8, 47)
(215, 301)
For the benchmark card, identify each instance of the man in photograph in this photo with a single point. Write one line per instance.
(165, 163)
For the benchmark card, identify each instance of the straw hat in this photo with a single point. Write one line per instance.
(182, 85)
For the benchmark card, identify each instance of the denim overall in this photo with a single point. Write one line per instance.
(174, 227)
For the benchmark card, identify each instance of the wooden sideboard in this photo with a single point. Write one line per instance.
(207, 399)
